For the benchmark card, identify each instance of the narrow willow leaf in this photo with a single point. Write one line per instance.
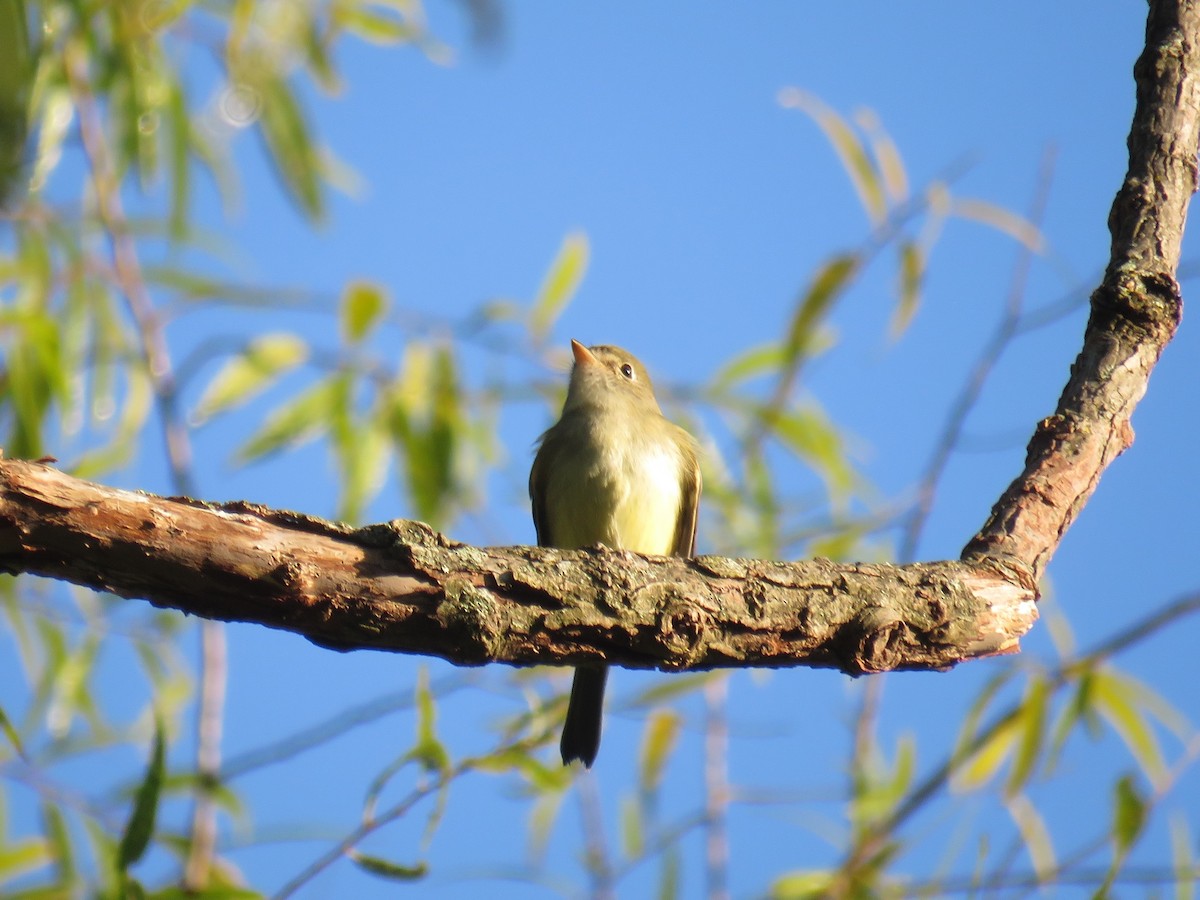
(1034, 834)
(428, 750)
(140, 827)
(10, 732)
(830, 280)
(62, 851)
(1032, 723)
(886, 154)
(1004, 220)
(991, 755)
(179, 137)
(811, 436)
(658, 740)
(560, 283)
(667, 689)
(374, 25)
(1129, 814)
(748, 364)
(1118, 701)
(850, 150)
(251, 372)
(912, 269)
(289, 143)
(384, 868)
(363, 306)
(301, 419)
(670, 876)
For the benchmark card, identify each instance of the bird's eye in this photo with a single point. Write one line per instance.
(627, 371)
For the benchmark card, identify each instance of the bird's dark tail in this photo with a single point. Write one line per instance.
(585, 714)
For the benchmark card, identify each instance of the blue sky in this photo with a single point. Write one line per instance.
(655, 129)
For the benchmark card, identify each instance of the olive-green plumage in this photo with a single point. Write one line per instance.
(614, 471)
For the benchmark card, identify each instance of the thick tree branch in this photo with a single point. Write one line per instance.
(1135, 310)
(403, 587)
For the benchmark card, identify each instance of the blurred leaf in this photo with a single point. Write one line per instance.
(379, 26)
(1004, 220)
(991, 755)
(658, 741)
(1034, 835)
(1129, 814)
(1121, 702)
(426, 423)
(289, 143)
(179, 136)
(296, 422)
(140, 827)
(10, 732)
(559, 285)
(362, 308)
(670, 878)
(1032, 725)
(58, 839)
(886, 155)
(251, 372)
(850, 150)
(811, 436)
(386, 869)
(912, 269)
(830, 280)
(748, 364)
(428, 750)
(16, 78)
(811, 885)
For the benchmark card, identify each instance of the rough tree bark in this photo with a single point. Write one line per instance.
(403, 587)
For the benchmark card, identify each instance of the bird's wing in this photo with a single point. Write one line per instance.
(689, 505)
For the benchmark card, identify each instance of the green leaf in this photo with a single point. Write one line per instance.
(560, 283)
(378, 27)
(10, 732)
(1122, 702)
(426, 422)
(1032, 725)
(251, 372)
(363, 306)
(1129, 814)
(912, 270)
(991, 755)
(748, 364)
(296, 422)
(850, 150)
(384, 868)
(830, 280)
(810, 435)
(16, 79)
(289, 143)
(140, 827)
(428, 750)
(658, 740)
(633, 838)
(810, 885)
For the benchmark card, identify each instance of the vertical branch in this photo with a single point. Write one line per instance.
(1135, 310)
(152, 336)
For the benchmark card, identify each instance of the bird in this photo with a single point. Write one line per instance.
(613, 470)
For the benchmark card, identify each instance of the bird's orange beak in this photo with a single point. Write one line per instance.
(583, 356)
